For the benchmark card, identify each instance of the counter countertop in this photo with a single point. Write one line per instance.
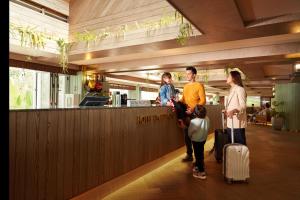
(88, 107)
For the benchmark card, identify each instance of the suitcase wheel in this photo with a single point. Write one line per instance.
(229, 181)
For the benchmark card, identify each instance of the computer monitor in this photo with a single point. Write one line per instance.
(94, 101)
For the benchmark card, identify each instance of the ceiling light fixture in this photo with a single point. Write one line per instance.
(297, 67)
(295, 29)
(88, 56)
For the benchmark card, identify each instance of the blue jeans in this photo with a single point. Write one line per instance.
(239, 135)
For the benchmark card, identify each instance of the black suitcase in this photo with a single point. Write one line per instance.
(221, 138)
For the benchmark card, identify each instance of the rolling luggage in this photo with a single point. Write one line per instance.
(235, 161)
(221, 138)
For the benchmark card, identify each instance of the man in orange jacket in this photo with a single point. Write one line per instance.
(193, 94)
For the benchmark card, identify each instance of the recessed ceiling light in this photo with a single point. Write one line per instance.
(273, 78)
(295, 29)
(88, 56)
(297, 66)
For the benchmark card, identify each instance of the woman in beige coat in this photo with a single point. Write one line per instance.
(235, 107)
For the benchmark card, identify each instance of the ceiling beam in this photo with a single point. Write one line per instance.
(130, 78)
(203, 57)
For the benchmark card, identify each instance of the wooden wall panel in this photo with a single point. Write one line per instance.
(20, 156)
(61, 6)
(31, 182)
(61, 154)
(23, 16)
(69, 153)
(94, 15)
(289, 93)
(12, 153)
(58, 154)
(42, 153)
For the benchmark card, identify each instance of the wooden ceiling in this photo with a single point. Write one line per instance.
(257, 36)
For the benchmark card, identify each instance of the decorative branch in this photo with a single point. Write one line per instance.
(63, 49)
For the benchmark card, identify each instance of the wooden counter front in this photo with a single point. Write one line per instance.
(58, 154)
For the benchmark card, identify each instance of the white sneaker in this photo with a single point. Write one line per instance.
(201, 175)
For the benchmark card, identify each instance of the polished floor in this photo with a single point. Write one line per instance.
(274, 165)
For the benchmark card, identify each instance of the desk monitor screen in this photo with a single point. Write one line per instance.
(93, 101)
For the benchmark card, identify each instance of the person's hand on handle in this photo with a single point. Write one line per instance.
(170, 103)
(231, 113)
(224, 112)
(189, 111)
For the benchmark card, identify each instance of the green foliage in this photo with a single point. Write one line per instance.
(184, 32)
(230, 68)
(63, 48)
(32, 38)
(86, 36)
(28, 36)
(20, 89)
(276, 112)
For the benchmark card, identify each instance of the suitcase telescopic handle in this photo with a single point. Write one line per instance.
(232, 129)
(223, 122)
(232, 134)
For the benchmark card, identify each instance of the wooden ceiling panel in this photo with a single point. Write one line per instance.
(252, 10)
(278, 70)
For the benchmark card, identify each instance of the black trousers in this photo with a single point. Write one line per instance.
(239, 135)
(188, 143)
(180, 109)
(199, 155)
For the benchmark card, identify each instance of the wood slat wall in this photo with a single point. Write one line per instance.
(289, 93)
(58, 154)
(61, 6)
(95, 15)
(23, 16)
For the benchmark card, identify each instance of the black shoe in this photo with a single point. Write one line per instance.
(187, 158)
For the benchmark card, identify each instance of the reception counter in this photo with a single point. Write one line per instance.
(60, 153)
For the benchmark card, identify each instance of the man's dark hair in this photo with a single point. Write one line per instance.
(267, 105)
(193, 69)
(252, 104)
(200, 111)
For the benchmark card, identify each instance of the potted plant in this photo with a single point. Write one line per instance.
(277, 115)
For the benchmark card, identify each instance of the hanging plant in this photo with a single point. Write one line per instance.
(231, 67)
(203, 75)
(86, 36)
(185, 31)
(28, 36)
(63, 49)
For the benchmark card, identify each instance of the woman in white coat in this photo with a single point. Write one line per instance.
(235, 107)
